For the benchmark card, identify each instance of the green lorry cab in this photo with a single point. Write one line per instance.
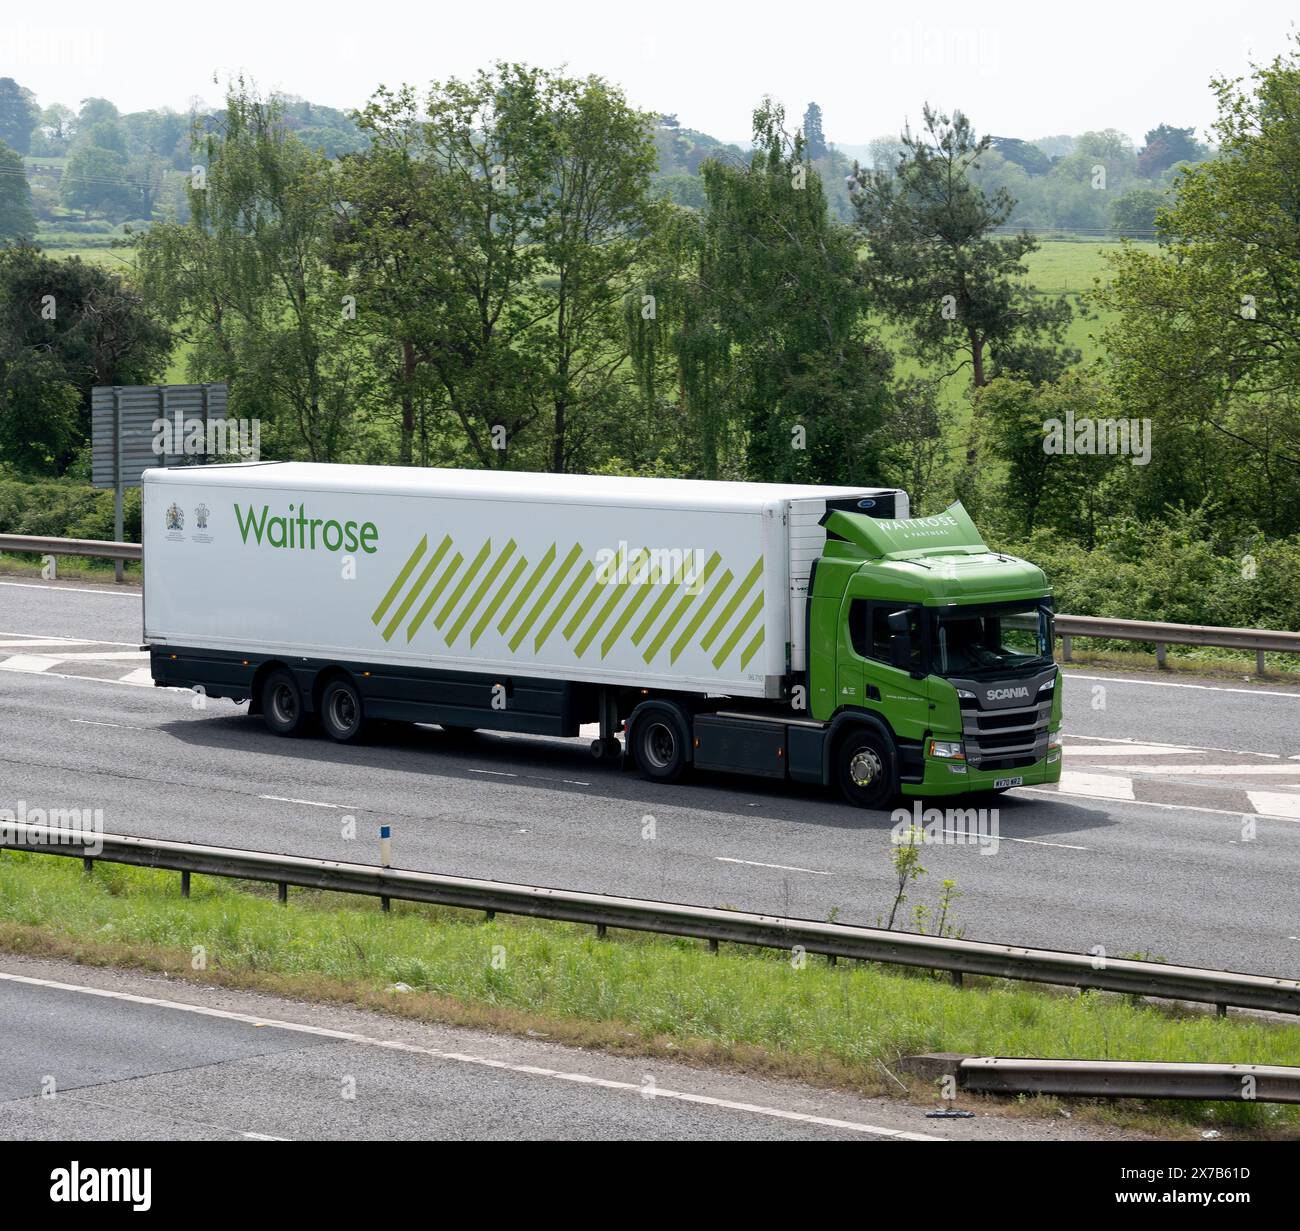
(936, 654)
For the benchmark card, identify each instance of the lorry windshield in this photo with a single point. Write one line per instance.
(997, 639)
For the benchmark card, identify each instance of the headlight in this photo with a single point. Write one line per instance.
(964, 695)
(1048, 686)
(947, 750)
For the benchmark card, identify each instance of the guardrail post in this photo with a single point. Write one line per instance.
(1259, 663)
(282, 888)
(185, 884)
(1221, 1010)
(87, 865)
(713, 945)
(489, 915)
(955, 976)
(1160, 654)
(600, 931)
(1067, 648)
(385, 904)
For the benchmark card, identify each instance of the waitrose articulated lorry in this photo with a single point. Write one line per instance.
(782, 631)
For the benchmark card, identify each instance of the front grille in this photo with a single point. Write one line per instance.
(1007, 738)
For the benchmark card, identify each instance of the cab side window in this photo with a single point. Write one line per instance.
(869, 629)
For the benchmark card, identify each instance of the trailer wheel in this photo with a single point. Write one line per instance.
(282, 708)
(865, 769)
(342, 713)
(659, 744)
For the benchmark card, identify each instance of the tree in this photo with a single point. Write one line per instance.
(1206, 335)
(16, 218)
(814, 138)
(19, 114)
(765, 322)
(74, 324)
(96, 179)
(1024, 154)
(59, 123)
(1166, 145)
(248, 281)
(95, 111)
(1134, 213)
(937, 267)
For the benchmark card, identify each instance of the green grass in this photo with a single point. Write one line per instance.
(846, 1025)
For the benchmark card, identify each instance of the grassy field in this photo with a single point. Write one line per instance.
(846, 1026)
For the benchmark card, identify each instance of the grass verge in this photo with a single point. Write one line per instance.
(69, 568)
(845, 1026)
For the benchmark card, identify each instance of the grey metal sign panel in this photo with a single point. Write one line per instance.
(124, 441)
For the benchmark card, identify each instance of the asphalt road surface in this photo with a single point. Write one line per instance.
(1175, 831)
(105, 1054)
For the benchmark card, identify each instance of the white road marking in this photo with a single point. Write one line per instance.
(310, 803)
(493, 773)
(780, 867)
(1134, 743)
(1149, 803)
(25, 585)
(1125, 750)
(132, 679)
(125, 726)
(34, 638)
(142, 677)
(1252, 692)
(530, 1070)
(1214, 771)
(1100, 786)
(28, 662)
(1276, 803)
(105, 656)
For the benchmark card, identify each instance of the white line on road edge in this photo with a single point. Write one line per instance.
(1151, 743)
(1251, 692)
(780, 867)
(310, 803)
(42, 639)
(1276, 803)
(24, 585)
(1149, 803)
(530, 1070)
(125, 726)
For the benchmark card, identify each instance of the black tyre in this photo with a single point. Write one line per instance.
(659, 742)
(342, 712)
(866, 770)
(282, 708)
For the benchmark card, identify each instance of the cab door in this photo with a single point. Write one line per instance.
(865, 676)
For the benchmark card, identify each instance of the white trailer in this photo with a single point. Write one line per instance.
(407, 574)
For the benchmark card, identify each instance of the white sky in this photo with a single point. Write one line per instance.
(1018, 69)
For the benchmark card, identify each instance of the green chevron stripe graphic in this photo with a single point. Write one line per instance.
(523, 596)
(642, 592)
(463, 584)
(427, 606)
(752, 648)
(670, 588)
(401, 580)
(486, 618)
(598, 588)
(665, 629)
(736, 633)
(547, 594)
(483, 587)
(562, 606)
(701, 615)
(732, 603)
(414, 592)
(604, 613)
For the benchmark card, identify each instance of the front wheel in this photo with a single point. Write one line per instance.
(865, 769)
(341, 711)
